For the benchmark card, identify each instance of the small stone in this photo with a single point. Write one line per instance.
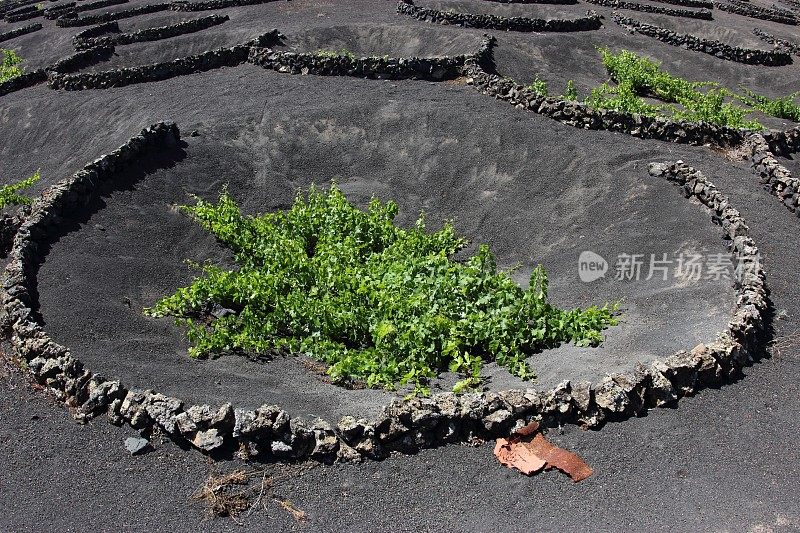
(137, 445)
(207, 440)
(347, 454)
(495, 421)
(610, 396)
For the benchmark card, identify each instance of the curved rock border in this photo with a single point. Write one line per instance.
(702, 14)
(215, 4)
(384, 68)
(775, 177)
(592, 21)
(784, 143)
(794, 48)
(23, 14)
(707, 4)
(80, 60)
(755, 12)
(580, 115)
(769, 58)
(404, 426)
(71, 22)
(23, 81)
(65, 10)
(213, 59)
(55, 71)
(52, 13)
(557, 2)
(16, 32)
(82, 42)
(10, 6)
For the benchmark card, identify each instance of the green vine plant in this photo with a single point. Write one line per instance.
(571, 93)
(381, 305)
(638, 77)
(9, 194)
(344, 52)
(9, 65)
(539, 87)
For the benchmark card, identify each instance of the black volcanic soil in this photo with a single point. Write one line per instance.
(536, 190)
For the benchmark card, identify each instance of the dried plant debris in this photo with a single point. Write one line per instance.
(528, 451)
(241, 492)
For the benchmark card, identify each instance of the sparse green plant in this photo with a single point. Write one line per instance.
(638, 76)
(571, 93)
(9, 65)
(378, 303)
(539, 87)
(782, 107)
(9, 194)
(344, 52)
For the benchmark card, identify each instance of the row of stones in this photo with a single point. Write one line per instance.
(582, 116)
(66, 22)
(747, 10)
(703, 14)
(715, 48)
(592, 21)
(9, 7)
(71, 22)
(208, 5)
(387, 68)
(9, 224)
(213, 59)
(403, 426)
(66, 9)
(258, 52)
(16, 32)
(707, 4)
(561, 2)
(73, 10)
(55, 72)
(24, 13)
(791, 47)
(82, 42)
(774, 176)
(579, 115)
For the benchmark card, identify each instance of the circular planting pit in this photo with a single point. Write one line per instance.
(531, 205)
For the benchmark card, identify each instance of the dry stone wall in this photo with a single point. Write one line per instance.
(748, 10)
(771, 58)
(592, 21)
(71, 22)
(16, 32)
(435, 69)
(703, 14)
(270, 433)
(82, 42)
(775, 177)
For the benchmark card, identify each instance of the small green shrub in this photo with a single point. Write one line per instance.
(9, 65)
(784, 107)
(376, 302)
(638, 76)
(9, 194)
(571, 93)
(622, 98)
(344, 52)
(539, 87)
